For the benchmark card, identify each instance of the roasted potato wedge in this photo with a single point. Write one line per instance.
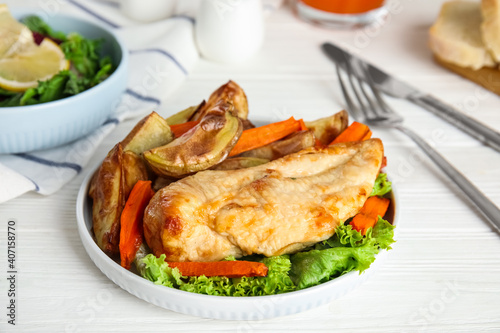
(328, 128)
(291, 144)
(207, 144)
(247, 124)
(229, 92)
(184, 115)
(108, 201)
(236, 163)
(152, 131)
(110, 188)
(133, 169)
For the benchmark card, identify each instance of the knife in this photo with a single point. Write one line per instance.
(399, 89)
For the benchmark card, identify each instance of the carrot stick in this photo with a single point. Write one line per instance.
(260, 136)
(180, 129)
(367, 135)
(302, 124)
(131, 231)
(355, 132)
(318, 143)
(369, 213)
(230, 269)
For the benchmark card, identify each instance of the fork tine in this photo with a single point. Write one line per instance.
(368, 110)
(383, 106)
(373, 106)
(355, 111)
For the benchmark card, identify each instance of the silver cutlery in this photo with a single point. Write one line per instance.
(397, 88)
(371, 109)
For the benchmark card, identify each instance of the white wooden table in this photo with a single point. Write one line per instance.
(444, 271)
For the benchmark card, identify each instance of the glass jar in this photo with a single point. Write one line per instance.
(341, 13)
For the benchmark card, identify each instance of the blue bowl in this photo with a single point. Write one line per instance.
(46, 125)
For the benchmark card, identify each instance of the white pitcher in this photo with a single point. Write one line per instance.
(229, 31)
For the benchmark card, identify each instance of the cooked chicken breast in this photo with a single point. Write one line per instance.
(271, 209)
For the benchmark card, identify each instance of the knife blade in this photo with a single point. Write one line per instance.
(395, 87)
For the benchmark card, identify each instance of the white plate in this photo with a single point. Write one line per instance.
(216, 307)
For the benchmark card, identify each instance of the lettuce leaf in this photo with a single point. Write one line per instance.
(348, 250)
(277, 280)
(36, 24)
(382, 186)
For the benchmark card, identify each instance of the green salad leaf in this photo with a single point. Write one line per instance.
(9, 98)
(350, 251)
(83, 54)
(382, 185)
(277, 280)
(36, 24)
(346, 251)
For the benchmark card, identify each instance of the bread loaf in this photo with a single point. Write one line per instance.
(456, 35)
(490, 27)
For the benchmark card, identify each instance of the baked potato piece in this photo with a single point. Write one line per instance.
(236, 163)
(184, 115)
(229, 92)
(108, 201)
(152, 131)
(207, 144)
(110, 188)
(328, 128)
(133, 169)
(247, 124)
(289, 145)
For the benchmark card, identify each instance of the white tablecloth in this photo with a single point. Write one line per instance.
(444, 272)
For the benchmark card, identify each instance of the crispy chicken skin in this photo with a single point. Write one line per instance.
(271, 209)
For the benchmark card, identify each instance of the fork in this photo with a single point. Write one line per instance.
(374, 111)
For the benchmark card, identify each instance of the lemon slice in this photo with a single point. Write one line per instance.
(22, 62)
(14, 36)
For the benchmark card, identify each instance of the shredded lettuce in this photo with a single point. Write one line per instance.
(346, 251)
(382, 186)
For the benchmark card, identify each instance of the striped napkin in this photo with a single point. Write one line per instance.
(161, 53)
(167, 48)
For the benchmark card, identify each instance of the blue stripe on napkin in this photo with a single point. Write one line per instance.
(94, 14)
(111, 121)
(37, 188)
(46, 162)
(141, 97)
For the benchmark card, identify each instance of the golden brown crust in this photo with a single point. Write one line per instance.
(279, 207)
(108, 201)
(110, 188)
